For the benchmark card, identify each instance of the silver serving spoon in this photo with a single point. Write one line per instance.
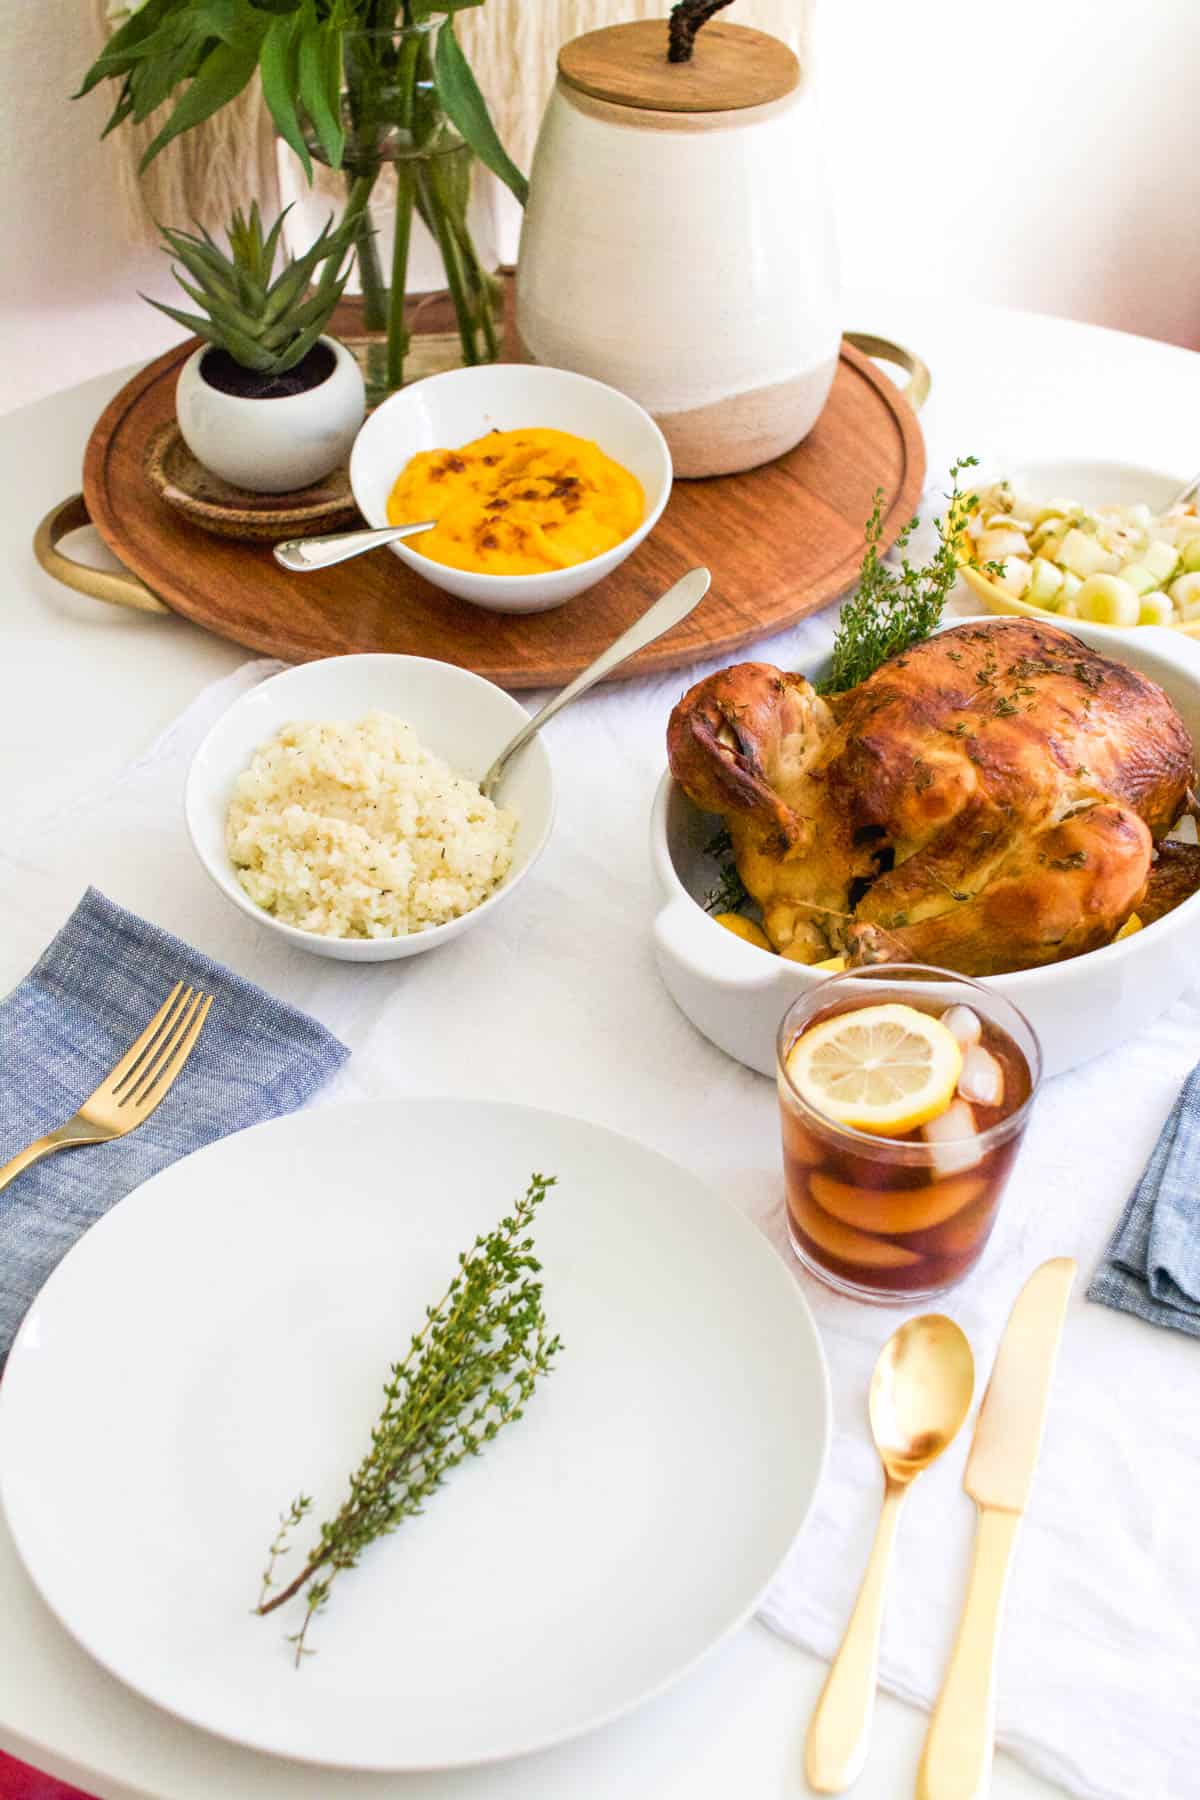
(673, 606)
(305, 554)
(1186, 493)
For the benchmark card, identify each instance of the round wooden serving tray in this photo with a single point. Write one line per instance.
(780, 541)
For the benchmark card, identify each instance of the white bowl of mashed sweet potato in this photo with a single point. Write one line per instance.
(576, 476)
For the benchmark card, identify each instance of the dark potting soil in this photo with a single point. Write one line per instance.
(221, 371)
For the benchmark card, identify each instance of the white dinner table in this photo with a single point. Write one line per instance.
(85, 688)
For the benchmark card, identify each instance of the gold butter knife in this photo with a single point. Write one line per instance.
(957, 1761)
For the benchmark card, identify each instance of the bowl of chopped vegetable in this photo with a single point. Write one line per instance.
(1104, 542)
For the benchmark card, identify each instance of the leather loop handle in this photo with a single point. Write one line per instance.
(117, 587)
(919, 379)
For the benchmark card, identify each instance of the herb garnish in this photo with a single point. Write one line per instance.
(469, 1371)
(888, 612)
(730, 894)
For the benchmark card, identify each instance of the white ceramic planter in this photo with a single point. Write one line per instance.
(737, 994)
(272, 446)
(688, 259)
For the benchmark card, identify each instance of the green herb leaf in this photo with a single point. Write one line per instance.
(466, 108)
(125, 47)
(889, 611)
(220, 79)
(468, 1372)
(320, 67)
(279, 66)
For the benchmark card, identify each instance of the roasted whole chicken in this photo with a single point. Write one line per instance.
(986, 801)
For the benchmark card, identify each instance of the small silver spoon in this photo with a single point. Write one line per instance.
(305, 554)
(668, 610)
(1185, 493)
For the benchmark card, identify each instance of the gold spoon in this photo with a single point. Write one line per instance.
(920, 1394)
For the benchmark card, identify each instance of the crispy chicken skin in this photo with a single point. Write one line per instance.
(986, 801)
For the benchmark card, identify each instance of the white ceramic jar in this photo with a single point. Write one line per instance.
(678, 244)
(272, 446)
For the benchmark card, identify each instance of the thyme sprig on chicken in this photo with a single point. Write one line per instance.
(892, 609)
(469, 1371)
(729, 895)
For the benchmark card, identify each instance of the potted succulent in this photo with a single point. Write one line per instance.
(269, 401)
(379, 90)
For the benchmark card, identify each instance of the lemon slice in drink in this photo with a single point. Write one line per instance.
(885, 1069)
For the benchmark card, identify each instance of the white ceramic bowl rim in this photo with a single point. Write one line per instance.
(534, 372)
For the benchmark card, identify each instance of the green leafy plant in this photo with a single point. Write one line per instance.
(892, 609)
(330, 105)
(268, 326)
(469, 1371)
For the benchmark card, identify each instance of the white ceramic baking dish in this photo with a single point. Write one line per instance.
(736, 994)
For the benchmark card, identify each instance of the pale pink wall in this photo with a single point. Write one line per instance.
(1044, 154)
(1040, 153)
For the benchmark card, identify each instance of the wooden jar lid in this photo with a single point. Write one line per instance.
(732, 66)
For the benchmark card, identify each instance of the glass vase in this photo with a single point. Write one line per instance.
(426, 228)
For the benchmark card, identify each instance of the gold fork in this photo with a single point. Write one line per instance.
(129, 1094)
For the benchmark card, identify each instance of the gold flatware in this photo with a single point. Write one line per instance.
(957, 1761)
(920, 1394)
(129, 1094)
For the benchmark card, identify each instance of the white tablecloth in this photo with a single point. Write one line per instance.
(557, 1002)
(84, 686)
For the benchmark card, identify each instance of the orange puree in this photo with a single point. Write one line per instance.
(517, 502)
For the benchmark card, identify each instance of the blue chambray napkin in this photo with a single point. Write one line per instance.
(64, 1027)
(1152, 1265)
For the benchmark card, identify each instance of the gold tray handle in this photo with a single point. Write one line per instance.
(118, 587)
(919, 378)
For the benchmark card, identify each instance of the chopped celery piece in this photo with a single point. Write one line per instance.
(1155, 609)
(994, 546)
(1185, 592)
(1139, 578)
(1013, 576)
(1190, 555)
(1107, 600)
(1044, 583)
(1082, 554)
(1160, 559)
(1052, 525)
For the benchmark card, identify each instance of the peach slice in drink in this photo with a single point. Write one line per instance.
(895, 1210)
(962, 1234)
(845, 1242)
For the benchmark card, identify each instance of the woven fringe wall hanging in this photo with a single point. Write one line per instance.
(512, 44)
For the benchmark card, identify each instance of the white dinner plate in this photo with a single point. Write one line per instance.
(219, 1342)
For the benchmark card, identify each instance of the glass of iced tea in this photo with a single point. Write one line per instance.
(904, 1093)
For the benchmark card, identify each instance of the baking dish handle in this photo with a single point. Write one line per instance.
(919, 378)
(116, 586)
(684, 932)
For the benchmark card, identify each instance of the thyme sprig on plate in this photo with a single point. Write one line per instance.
(469, 1371)
(891, 610)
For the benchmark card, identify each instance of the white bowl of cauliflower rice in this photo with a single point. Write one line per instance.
(338, 804)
